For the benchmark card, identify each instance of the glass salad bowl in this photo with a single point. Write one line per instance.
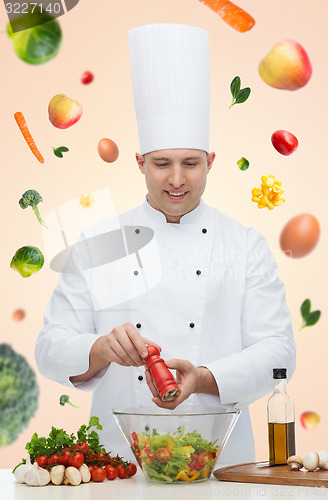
(176, 446)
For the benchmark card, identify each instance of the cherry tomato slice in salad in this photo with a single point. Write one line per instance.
(163, 455)
(204, 457)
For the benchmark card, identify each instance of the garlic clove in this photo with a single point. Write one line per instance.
(73, 476)
(311, 461)
(85, 473)
(21, 471)
(37, 476)
(57, 474)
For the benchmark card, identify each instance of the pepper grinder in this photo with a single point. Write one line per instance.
(163, 379)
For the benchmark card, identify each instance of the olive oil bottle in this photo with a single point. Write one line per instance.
(281, 420)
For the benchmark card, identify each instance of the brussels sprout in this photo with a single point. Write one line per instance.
(27, 261)
(35, 45)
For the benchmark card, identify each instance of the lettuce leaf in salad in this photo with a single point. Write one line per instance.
(160, 441)
(195, 440)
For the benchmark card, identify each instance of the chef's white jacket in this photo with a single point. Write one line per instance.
(212, 295)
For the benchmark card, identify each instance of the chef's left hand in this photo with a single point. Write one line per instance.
(187, 377)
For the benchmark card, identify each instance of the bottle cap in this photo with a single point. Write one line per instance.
(280, 373)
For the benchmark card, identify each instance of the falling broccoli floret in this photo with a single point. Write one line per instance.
(32, 198)
(64, 399)
(19, 394)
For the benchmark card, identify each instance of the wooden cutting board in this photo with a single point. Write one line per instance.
(262, 473)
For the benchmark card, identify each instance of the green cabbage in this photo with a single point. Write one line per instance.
(35, 45)
(27, 261)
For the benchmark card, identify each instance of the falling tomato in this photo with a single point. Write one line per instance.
(284, 142)
(87, 77)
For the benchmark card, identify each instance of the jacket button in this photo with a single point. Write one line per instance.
(135, 273)
(137, 231)
(192, 325)
(138, 325)
(198, 272)
(140, 377)
(204, 230)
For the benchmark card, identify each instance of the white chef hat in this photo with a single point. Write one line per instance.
(170, 79)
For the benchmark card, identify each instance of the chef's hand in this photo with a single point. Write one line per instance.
(190, 379)
(124, 345)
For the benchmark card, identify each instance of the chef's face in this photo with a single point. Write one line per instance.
(176, 179)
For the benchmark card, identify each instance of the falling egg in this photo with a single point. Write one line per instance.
(309, 419)
(18, 315)
(108, 150)
(300, 235)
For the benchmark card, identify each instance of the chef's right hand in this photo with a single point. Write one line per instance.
(125, 346)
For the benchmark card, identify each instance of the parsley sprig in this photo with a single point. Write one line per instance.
(59, 439)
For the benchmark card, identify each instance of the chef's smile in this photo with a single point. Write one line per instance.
(176, 179)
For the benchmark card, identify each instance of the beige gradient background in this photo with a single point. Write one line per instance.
(95, 37)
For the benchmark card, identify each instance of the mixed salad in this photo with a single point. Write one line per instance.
(174, 457)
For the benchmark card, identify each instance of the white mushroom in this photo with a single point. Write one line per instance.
(323, 459)
(57, 474)
(85, 473)
(295, 462)
(311, 461)
(73, 476)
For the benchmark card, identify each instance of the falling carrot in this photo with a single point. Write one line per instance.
(233, 15)
(21, 122)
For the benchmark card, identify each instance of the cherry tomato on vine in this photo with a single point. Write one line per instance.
(103, 457)
(98, 474)
(91, 467)
(63, 459)
(122, 472)
(91, 455)
(54, 459)
(132, 469)
(82, 446)
(111, 472)
(76, 460)
(42, 461)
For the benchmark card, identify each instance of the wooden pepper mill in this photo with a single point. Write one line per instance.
(163, 379)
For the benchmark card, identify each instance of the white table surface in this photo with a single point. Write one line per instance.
(138, 487)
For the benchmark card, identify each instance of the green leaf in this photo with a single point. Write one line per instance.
(313, 318)
(235, 86)
(305, 309)
(243, 95)
(58, 153)
(243, 163)
(63, 149)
